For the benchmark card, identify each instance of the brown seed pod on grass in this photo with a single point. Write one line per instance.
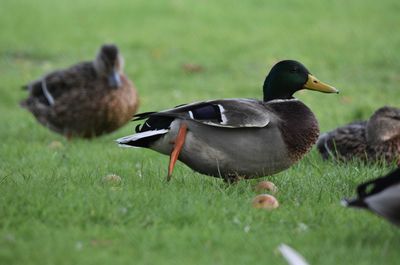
(266, 186)
(265, 201)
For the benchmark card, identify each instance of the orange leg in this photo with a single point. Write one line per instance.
(179, 141)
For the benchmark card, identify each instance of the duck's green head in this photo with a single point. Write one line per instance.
(287, 77)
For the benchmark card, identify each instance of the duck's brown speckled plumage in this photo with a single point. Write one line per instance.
(389, 152)
(375, 140)
(85, 104)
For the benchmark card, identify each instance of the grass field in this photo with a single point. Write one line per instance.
(54, 207)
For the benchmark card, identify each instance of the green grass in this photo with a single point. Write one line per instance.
(54, 207)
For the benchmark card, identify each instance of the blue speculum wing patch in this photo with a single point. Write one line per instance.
(207, 112)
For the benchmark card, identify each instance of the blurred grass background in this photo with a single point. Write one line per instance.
(54, 207)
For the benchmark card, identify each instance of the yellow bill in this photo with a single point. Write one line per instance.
(314, 84)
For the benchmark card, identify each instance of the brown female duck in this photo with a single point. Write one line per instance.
(86, 100)
(377, 139)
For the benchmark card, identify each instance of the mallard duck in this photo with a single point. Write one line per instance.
(377, 139)
(381, 196)
(86, 100)
(237, 138)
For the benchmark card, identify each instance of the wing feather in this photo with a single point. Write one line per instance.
(62, 81)
(228, 113)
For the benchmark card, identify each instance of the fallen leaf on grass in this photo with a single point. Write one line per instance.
(192, 68)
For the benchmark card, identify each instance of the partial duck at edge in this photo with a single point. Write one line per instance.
(381, 196)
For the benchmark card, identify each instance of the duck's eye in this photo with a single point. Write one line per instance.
(293, 70)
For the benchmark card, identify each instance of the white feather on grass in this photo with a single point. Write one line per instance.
(292, 256)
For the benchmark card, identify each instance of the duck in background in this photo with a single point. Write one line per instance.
(381, 196)
(86, 100)
(237, 138)
(374, 140)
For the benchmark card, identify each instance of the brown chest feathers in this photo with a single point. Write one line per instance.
(389, 151)
(298, 126)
